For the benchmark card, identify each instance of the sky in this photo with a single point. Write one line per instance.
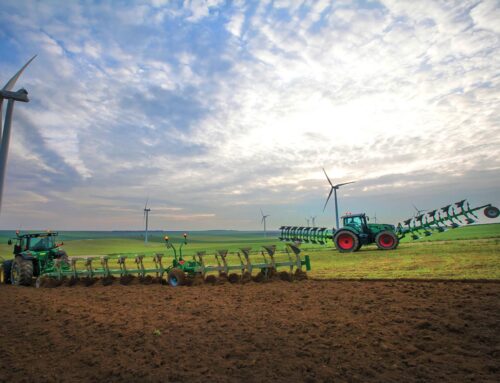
(214, 110)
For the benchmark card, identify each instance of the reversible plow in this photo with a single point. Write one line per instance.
(356, 231)
(52, 267)
(448, 217)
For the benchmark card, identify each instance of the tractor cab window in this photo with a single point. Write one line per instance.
(357, 221)
(41, 243)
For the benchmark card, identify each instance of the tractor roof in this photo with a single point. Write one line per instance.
(36, 235)
(353, 215)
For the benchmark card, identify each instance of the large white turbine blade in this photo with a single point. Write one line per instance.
(10, 84)
(146, 205)
(329, 195)
(330, 182)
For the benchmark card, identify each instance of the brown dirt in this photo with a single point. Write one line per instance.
(307, 331)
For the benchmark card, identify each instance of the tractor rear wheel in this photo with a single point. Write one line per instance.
(346, 241)
(5, 272)
(386, 240)
(176, 277)
(21, 273)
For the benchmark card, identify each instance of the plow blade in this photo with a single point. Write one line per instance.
(448, 217)
(316, 235)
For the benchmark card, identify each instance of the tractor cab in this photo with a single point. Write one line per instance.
(35, 242)
(356, 221)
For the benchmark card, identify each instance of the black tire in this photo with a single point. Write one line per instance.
(491, 212)
(346, 241)
(176, 277)
(21, 273)
(5, 272)
(386, 240)
(359, 246)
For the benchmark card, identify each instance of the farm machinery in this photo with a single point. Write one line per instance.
(356, 231)
(35, 254)
(54, 267)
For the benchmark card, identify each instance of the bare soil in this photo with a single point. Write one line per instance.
(307, 331)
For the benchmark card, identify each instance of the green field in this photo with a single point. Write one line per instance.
(471, 252)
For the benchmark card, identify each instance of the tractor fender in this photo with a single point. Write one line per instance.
(26, 256)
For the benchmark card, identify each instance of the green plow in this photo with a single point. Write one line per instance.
(239, 266)
(316, 235)
(448, 217)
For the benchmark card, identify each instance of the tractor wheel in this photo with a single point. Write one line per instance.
(5, 272)
(21, 273)
(491, 212)
(386, 240)
(346, 241)
(176, 277)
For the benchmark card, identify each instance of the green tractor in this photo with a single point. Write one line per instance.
(355, 232)
(34, 254)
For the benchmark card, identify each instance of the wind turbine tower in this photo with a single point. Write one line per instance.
(146, 218)
(334, 189)
(6, 93)
(313, 221)
(308, 221)
(264, 217)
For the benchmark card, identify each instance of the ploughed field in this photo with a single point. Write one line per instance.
(308, 331)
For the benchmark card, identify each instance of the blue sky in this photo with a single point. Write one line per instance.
(216, 109)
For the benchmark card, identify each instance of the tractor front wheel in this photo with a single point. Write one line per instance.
(386, 240)
(346, 241)
(21, 273)
(176, 277)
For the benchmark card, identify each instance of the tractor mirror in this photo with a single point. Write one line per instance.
(9, 242)
(367, 218)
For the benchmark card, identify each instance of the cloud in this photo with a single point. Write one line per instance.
(219, 108)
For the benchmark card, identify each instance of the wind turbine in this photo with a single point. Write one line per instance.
(419, 211)
(374, 218)
(6, 93)
(146, 217)
(334, 190)
(264, 221)
(307, 220)
(313, 221)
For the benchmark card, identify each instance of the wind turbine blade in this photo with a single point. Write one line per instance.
(10, 84)
(261, 213)
(414, 207)
(329, 195)
(146, 205)
(330, 182)
(345, 183)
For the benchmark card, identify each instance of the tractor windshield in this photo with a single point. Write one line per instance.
(42, 243)
(355, 221)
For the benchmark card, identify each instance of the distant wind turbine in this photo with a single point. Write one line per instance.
(334, 190)
(264, 217)
(307, 220)
(419, 211)
(313, 221)
(146, 218)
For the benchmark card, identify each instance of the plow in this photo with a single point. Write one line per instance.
(356, 230)
(38, 259)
